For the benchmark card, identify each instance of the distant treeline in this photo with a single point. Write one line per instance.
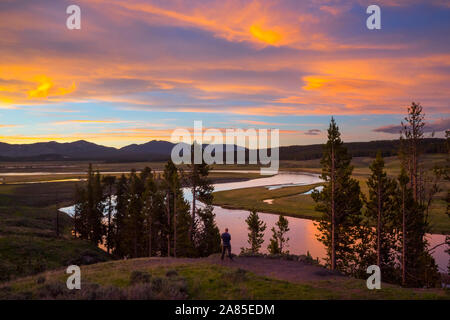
(387, 148)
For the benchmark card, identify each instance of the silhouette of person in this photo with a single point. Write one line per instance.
(226, 245)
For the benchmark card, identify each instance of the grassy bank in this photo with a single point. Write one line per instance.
(28, 242)
(216, 177)
(287, 201)
(157, 279)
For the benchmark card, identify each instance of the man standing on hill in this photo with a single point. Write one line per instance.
(226, 245)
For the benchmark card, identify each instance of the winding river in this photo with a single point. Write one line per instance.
(302, 234)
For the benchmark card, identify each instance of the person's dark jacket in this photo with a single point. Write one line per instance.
(226, 238)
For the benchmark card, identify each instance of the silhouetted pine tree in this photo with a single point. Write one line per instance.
(197, 180)
(382, 214)
(135, 230)
(418, 266)
(89, 209)
(108, 183)
(98, 229)
(120, 218)
(207, 236)
(153, 211)
(203, 230)
(340, 203)
(447, 178)
(80, 213)
(178, 208)
(256, 228)
(279, 241)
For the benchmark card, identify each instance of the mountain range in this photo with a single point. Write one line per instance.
(160, 150)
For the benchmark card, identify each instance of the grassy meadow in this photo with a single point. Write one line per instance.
(194, 279)
(28, 242)
(287, 201)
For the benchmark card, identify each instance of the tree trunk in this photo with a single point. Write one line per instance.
(403, 238)
(108, 237)
(175, 223)
(57, 222)
(168, 222)
(333, 220)
(379, 224)
(414, 174)
(150, 237)
(191, 227)
(57, 215)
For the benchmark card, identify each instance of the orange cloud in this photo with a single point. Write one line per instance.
(46, 88)
(268, 36)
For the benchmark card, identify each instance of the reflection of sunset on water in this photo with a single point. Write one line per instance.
(301, 233)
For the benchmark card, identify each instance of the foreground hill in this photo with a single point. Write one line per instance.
(207, 278)
(28, 241)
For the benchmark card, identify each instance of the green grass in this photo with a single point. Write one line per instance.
(210, 281)
(28, 242)
(287, 201)
(22, 180)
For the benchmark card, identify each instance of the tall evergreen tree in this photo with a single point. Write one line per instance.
(418, 266)
(340, 203)
(403, 181)
(411, 137)
(382, 212)
(279, 241)
(109, 182)
(256, 228)
(178, 207)
(135, 216)
(208, 237)
(447, 178)
(203, 230)
(120, 218)
(89, 209)
(153, 209)
(201, 189)
(80, 213)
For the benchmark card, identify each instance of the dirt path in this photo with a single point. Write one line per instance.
(293, 271)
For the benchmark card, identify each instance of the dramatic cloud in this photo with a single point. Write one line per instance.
(436, 126)
(313, 132)
(272, 61)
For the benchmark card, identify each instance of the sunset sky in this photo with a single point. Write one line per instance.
(139, 69)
